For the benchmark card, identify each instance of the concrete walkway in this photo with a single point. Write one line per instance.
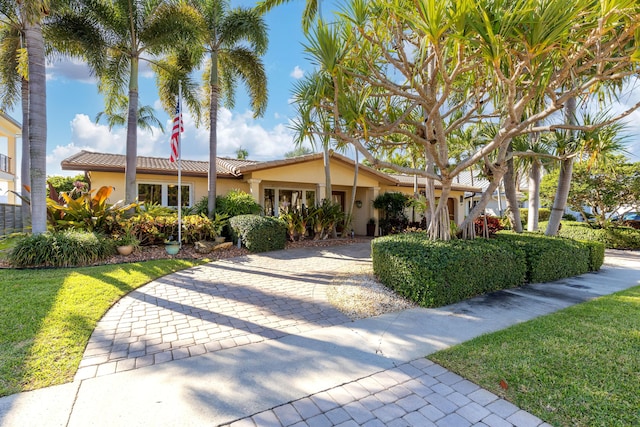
(253, 342)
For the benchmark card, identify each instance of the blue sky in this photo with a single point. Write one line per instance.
(73, 102)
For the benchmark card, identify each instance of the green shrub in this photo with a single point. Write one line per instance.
(550, 258)
(61, 249)
(260, 234)
(543, 215)
(234, 203)
(612, 237)
(436, 273)
(596, 254)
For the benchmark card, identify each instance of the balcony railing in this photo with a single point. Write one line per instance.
(5, 163)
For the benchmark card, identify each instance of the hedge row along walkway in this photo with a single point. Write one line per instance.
(252, 341)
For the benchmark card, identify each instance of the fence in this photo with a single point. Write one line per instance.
(10, 219)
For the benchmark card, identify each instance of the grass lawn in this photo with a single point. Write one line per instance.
(576, 367)
(47, 316)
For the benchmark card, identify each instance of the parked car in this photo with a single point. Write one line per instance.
(631, 219)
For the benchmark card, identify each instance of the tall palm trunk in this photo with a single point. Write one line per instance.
(213, 135)
(25, 162)
(355, 186)
(534, 195)
(510, 193)
(37, 126)
(327, 168)
(564, 180)
(131, 190)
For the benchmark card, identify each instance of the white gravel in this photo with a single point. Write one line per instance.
(360, 295)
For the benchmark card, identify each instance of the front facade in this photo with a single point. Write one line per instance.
(273, 184)
(10, 130)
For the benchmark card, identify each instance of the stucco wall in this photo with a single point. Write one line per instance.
(199, 184)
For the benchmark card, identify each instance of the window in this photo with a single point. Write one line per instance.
(164, 194)
(150, 193)
(172, 195)
(278, 199)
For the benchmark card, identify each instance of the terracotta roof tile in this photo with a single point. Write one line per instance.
(86, 160)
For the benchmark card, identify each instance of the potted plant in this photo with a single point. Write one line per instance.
(371, 227)
(218, 223)
(171, 246)
(127, 242)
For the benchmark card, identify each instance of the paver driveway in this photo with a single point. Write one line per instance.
(220, 305)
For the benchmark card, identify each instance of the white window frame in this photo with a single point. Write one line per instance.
(164, 193)
(276, 190)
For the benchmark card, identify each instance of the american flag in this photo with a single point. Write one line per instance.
(175, 134)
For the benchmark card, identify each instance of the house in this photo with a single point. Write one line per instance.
(274, 184)
(10, 130)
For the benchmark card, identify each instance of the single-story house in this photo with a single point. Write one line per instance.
(293, 181)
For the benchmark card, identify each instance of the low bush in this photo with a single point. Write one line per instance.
(61, 249)
(436, 273)
(552, 258)
(611, 238)
(543, 215)
(258, 233)
(493, 225)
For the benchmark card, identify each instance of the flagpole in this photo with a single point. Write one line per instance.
(180, 166)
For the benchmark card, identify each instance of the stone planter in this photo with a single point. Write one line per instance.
(125, 249)
(172, 248)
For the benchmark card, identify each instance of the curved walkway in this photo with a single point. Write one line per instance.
(219, 305)
(253, 342)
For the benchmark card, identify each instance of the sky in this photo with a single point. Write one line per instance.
(73, 102)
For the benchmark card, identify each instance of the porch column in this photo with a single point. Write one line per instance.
(254, 189)
(322, 192)
(375, 191)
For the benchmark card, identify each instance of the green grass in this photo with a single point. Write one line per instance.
(578, 367)
(47, 317)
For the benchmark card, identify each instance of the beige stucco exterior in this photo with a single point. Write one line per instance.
(283, 182)
(10, 130)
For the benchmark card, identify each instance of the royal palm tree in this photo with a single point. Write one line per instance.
(311, 10)
(118, 116)
(232, 43)
(14, 85)
(33, 13)
(114, 37)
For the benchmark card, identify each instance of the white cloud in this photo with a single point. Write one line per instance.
(72, 69)
(234, 131)
(297, 73)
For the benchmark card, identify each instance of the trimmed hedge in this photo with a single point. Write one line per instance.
(612, 237)
(61, 249)
(259, 233)
(436, 273)
(552, 258)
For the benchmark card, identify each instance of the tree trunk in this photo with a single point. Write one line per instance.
(467, 228)
(354, 189)
(130, 188)
(213, 135)
(25, 162)
(534, 196)
(37, 126)
(327, 168)
(510, 194)
(564, 180)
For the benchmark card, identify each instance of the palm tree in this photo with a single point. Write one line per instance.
(311, 10)
(14, 83)
(113, 37)
(146, 116)
(232, 42)
(33, 12)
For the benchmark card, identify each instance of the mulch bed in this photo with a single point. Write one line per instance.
(146, 253)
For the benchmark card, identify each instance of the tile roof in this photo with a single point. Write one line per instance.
(86, 160)
(228, 168)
